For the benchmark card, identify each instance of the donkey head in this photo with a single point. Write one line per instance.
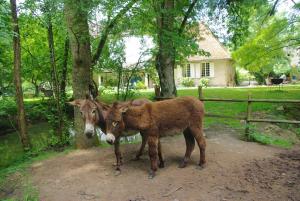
(93, 114)
(114, 122)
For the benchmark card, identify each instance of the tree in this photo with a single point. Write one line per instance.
(17, 78)
(110, 25)
(46, 52)
(76, 15)
(48, 8)
(165, 58)
(239, 18)
(35, 62)
(168, 36)
(264, 50)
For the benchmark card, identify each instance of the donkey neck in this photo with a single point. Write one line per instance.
(101, 121)
(136, 118)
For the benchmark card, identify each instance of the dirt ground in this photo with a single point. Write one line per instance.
(236, 170)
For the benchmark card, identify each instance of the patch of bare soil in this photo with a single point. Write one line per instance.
(236, 170)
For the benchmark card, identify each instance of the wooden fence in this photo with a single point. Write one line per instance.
(249, 102)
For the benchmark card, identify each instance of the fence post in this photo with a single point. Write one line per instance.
(157, 90)
(200, 92)
(247, 130)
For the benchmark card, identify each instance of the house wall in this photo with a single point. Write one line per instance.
(222, 73)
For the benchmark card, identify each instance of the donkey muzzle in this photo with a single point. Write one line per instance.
(89, 130)
(110, 138)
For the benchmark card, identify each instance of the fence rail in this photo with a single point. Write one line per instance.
(249, 102)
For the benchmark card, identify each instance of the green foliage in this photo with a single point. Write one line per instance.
(264, 52)
(187, 82)
(37, 111)
(140, 85)
(240, 14)
(110, 82)
(6, 54)
(12, 155)
(204, 82)
(298, 132)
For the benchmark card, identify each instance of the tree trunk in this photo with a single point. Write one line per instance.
(64, 69)
(36, 90)
(17, 78)
(76, 14)
(59, 127)
(56, 87)
(165, 58)
(36, 86)
(119, 81)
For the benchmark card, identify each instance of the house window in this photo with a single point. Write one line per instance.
(205, 70)
(186, 71)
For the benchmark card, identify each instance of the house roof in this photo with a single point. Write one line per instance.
(209, 43)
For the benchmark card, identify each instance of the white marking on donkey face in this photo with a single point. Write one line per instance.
(89, 128)
(110, 138)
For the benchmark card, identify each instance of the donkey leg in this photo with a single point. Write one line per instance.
(198, 134)
(118, 154)
(152, 143)
(140, 152)
(190, 144)
(161, 160)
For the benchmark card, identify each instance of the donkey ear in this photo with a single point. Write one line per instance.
(115, 104)
(76, 102)
(123, 109)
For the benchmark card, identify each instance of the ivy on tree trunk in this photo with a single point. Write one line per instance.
(17, 79)
(76, 15)
(165, 58)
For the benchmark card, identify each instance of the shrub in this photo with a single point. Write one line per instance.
(204, 82)
(36, 110)
(140, 85)
(111, 82)
(106, 90)
(187, 82)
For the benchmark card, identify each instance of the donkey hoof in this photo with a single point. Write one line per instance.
(201, 166)
(161, 165)
(136, 159)
(151, 174)
(182, 165)
(117, 172)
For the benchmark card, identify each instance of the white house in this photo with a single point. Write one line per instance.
(218, 67)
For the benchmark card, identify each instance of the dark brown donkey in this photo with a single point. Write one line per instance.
(94, 112)
(159, 119)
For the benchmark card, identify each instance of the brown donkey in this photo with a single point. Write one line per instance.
(159, 119)
(94, 112)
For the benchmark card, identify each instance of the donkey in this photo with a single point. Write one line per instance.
(94, 112)
(158, 119)
(46, 92)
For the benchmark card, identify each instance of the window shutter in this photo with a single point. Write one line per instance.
(212, 69)
(183, 71)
